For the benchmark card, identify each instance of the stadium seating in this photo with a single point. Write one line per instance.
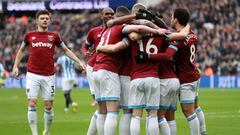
(216, 22)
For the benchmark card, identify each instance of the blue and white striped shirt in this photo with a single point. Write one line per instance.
(67, 64)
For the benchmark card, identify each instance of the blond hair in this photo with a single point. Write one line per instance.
(138, 6)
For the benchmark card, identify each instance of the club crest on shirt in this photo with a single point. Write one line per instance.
(50, 38)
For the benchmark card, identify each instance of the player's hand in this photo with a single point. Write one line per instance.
(162, 31)
(82, 67)
(15, 72)
(141, 57)
(88, 53)
(144, 14)
(98, 49)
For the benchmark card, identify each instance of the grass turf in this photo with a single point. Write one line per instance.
(221, 108)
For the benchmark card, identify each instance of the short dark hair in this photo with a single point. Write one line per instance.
(122, 10)
(42, 12)
(182, 16)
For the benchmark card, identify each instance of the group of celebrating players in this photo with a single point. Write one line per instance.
(134, 63)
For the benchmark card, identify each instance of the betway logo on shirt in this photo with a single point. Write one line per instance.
(41, 44)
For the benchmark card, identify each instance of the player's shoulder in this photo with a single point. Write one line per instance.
(98, 28)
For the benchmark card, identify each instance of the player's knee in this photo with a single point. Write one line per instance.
(32, 103)
(187, 111)
(48, 105)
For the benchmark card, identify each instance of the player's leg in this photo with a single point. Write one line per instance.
(170, 116)
(32, 90)
(48, 92)
(201, 117)
(92, 129)
(136, 121)
(66, 91)
(152, 94)
(187, 99)
(73, 83)
(101, 118)
(110, 86)
(112, 117)
(174, 84)
(101, 104)
(137, 104)
(124, 124)
(48, 116)
(163, 124)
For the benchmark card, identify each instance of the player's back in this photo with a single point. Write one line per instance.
(151, 45)
(166, 67)
(68, 70)
(186, 69)
(106, 61)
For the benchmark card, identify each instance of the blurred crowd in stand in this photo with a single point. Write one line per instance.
(216, 22)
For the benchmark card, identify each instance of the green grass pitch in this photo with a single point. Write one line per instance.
(221, 108)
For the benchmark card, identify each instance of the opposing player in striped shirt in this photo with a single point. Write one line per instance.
(69, 80)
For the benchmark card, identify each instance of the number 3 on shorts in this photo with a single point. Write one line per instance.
(52, 91)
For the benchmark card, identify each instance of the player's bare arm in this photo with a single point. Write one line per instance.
(179, 35)
(145, 22)
(129, 18)
(110, 48)
(71, 55)
(18, 59)
(141, 29)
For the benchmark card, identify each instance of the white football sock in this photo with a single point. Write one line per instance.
(146, 125)
(194, 124)
(48, 117)
(110, 123)
(32, 119)
(93, 124)
(135, 125)
(173, 127)
(100, 123)
(164, 127)
(124, 125)
(152, 125)
(201, 119)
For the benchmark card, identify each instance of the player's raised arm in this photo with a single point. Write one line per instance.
(18, 59)
(71, 55)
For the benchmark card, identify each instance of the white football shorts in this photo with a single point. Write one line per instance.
(125, 90)
(36, 84)
(106, 85)
(68, 83)
(189, 92)
(89, 71)
(169, 93)
(144, 93)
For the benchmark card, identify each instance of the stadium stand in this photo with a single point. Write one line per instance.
(216, 22)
